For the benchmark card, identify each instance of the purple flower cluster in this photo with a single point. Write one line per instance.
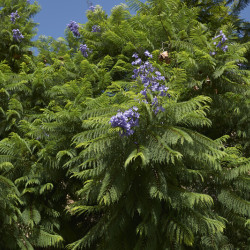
(17, 35)
(84, 49)
(126, 120)
(146, 53)
(220, 43)
(73, 26)
(151, 79)
(92, 8)
(96, 28)
(14, 16)
(242, 66)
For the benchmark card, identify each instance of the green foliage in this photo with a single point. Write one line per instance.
(11, 50)
(68, 179)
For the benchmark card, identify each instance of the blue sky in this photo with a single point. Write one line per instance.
(56, 14)
(246, 13)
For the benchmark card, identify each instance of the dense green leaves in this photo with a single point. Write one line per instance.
(68, 179)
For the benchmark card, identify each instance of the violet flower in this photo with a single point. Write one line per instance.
(151, 79)
(126, 120)
(92, 8)
(84, 49)
(73, 26)
(14, 16)
(219, 45)
(17, 35)
(146, 53)
(96, 28)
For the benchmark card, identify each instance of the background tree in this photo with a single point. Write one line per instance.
(17, 30)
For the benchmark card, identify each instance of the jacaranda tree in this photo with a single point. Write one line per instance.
(132, 132)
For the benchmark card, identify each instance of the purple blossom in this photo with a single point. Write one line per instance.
(216, 37)
(225, 48)
(84, 49)
(242, 66)
(96, 28)
(73, 26)
(144, 92)
(154, 86)
(161, 78)
(219, 45)
(144, 101)
(146, 53)
(137, 62)
(92, 8)
(14, 16)
(135, 55)
(223, 39)
(163, 90)
(155, 101)
(158, 108)
(126, 120)
(17, 35)
(152, 80)
(212, 53)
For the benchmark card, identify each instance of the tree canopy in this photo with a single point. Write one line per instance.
(132, 132)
